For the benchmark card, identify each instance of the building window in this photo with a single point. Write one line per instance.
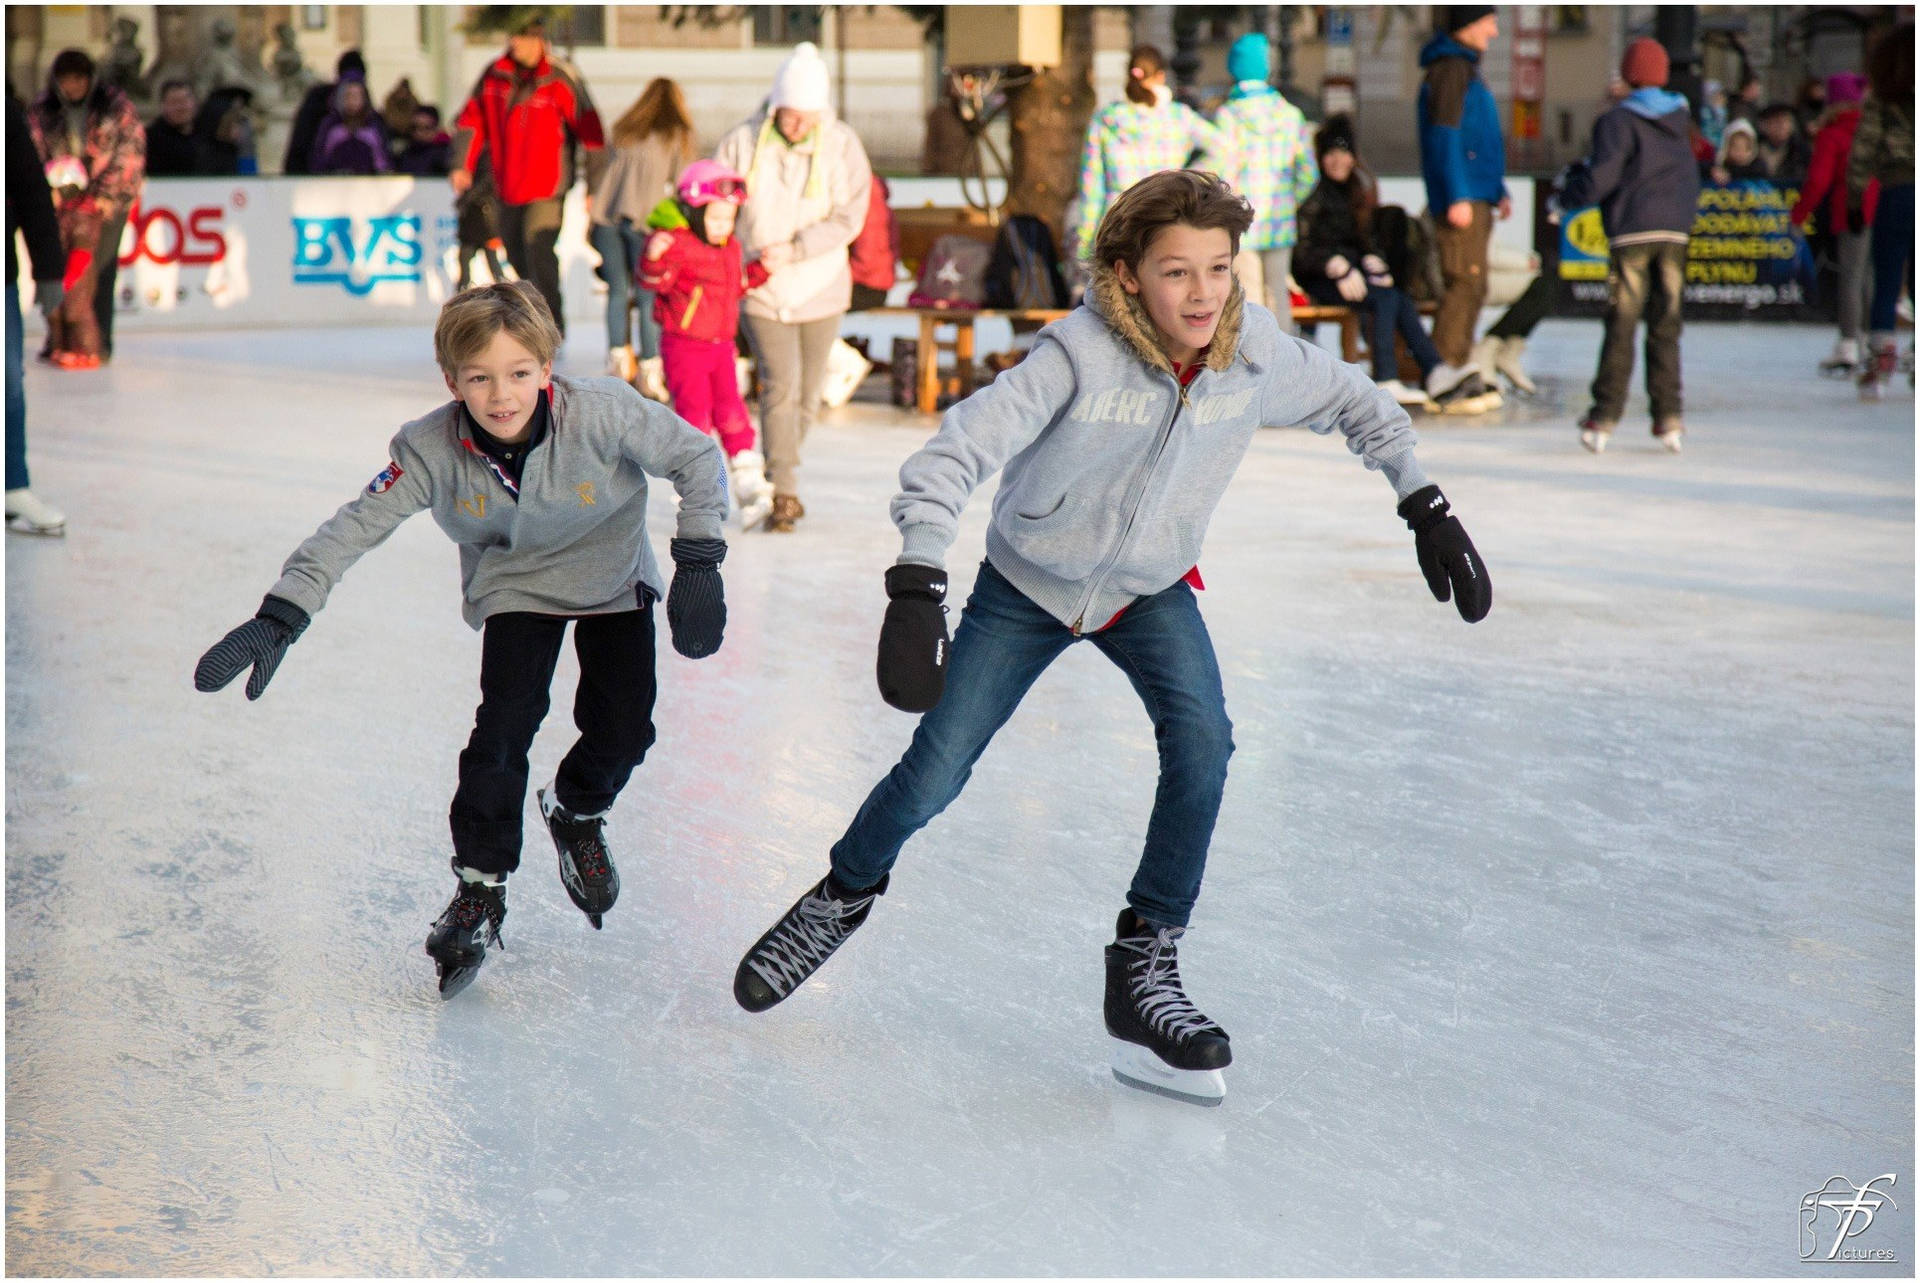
(577, 25)
(786, 24)
(313, 17)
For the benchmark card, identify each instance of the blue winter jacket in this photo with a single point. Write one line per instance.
(1641, 172)
(1462, 155)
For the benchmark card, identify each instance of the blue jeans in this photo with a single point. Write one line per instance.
(1004, 642)
(1393, 310)
(16, 394)
(619, 248)
(1892, 246)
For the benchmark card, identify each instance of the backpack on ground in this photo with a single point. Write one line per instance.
(953, 274)
(1024, 271)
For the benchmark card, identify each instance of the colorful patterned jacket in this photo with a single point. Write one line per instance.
(1126, 141)
(1266, 154)
(114, 149)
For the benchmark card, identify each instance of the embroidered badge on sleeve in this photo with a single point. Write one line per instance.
(387, 476)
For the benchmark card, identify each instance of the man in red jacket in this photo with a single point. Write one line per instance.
(526, 113)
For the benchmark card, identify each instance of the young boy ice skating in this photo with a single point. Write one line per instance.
(542, 481)
(1118, 433)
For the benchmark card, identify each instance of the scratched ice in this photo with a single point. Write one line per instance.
(1577, 941)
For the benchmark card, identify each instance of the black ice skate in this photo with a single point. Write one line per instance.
(1163, 1043)
(586, 866)
(819, 922)
(460, 936)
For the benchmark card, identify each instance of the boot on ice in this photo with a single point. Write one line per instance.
(471, 921)
(1162, 1042)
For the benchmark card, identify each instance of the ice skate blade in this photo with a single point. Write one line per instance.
(454, 979)
(1137, 1067)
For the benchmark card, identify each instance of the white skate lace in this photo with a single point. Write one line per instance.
(804, 940)
(1156, 987)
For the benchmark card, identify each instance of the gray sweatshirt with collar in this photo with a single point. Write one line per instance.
(575, 541)
(1112, 469)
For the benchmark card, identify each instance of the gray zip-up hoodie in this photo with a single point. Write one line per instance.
(575, 540)
(1112, 469)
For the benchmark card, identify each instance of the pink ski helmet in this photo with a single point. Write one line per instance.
(706, 181)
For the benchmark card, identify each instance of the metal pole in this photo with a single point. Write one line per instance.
(1677, 28)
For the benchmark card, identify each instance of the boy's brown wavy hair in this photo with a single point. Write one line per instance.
(469, 320)
(1160, 200)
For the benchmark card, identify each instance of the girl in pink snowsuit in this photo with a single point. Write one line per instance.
(698, 275)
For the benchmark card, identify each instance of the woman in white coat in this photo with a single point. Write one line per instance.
(808, 181)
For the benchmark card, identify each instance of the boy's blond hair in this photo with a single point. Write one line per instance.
(469, 320)
(1160, 200)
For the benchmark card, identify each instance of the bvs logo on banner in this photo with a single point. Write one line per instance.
(357, 253)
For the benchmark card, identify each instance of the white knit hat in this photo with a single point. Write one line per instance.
(801, 82)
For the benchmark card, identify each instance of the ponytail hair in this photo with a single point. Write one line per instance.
(1143, 64)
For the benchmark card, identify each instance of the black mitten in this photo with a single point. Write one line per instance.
(1447, 557)
(696, 602)
(261, 643)
(912, 667)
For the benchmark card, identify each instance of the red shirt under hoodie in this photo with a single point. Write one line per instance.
(522, 117)
(697, 286)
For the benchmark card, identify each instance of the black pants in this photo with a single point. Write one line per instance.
(1642, 280)
(613, 709)
(1527, 311)
(530, 231)
(106, 284)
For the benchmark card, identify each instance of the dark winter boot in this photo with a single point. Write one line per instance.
(460, 936)
(586, 866)
(818, 923)
(1147, 1010)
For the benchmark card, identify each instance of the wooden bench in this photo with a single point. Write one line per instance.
(961, 321)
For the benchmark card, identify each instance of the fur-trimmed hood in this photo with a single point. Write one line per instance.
(1127, 317)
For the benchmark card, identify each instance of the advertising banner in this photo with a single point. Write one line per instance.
(204, 253)
(1745, 257)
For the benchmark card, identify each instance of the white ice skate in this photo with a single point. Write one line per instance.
(752, 492)
(1844, 362)
(1135, 1066)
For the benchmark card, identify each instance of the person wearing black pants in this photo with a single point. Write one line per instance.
(105, 285)
(530, 232)
(612, 707)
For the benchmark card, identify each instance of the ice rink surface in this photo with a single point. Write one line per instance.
(1579, 940)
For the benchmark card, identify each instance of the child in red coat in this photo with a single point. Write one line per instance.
(695, 268)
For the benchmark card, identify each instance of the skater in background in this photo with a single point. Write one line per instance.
(1882, 152)
(1118, 434)
(1825, 196)
(94, 149)
(650, 145)
(695, 275)
(541, 480)
(527, 113)
(29, 212)
(1642, 175)
(1261, 147)
(1145, 133)
(1337, 264)
(1463, 162)
(808, 187)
